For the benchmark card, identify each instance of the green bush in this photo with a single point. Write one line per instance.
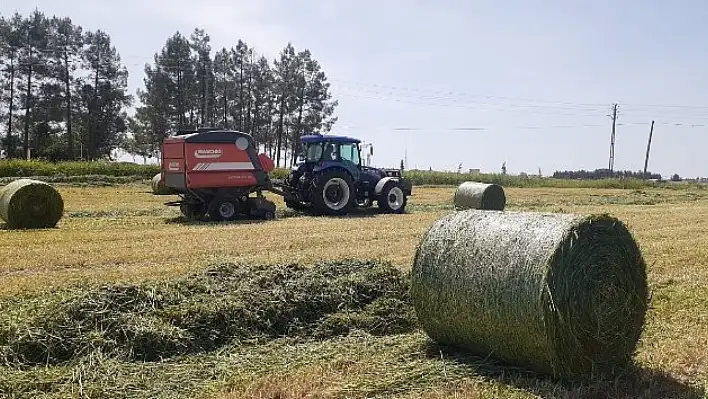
(24, 168)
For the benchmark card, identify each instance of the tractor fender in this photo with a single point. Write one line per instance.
(332, 167)
(381, 183)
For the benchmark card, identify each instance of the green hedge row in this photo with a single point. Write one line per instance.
(23, 168)
(453, 179)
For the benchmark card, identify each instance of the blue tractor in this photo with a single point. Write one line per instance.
(330, 179)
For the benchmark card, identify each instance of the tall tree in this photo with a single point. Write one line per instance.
(242, 56)
(224, 87)
(170, 95)
(33, 66)
(284, 73)
(66, 41)
(105, 98)
(10, 37)
(204, 77)
(262, 83)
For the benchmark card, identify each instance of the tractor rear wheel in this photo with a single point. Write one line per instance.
(333, 193)
(392, 198)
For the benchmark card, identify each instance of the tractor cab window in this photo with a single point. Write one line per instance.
(313, 152)
(350, 153)
(330, 152)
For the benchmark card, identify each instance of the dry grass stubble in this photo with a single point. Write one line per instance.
(126, 234)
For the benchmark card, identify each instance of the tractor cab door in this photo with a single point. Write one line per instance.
(350, 157)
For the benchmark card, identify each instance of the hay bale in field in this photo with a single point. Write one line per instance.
(560, 294)
(158, 188)
(30, 204)
(474, 195)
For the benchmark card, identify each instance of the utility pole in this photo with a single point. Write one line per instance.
(646, 160)
(612, 139)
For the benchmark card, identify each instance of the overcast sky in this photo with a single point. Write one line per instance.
(532, 82)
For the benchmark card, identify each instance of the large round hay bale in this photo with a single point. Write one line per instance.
(474, 195)
(560, 294)
(158, 188)
(30, 204)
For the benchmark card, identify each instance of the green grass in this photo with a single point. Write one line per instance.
(335, 329)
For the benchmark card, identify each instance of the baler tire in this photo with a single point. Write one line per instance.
(192, 211)
(384, 200)
(216, 206)
(317, 196)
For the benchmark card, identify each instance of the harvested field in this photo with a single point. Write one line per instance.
(120, 241)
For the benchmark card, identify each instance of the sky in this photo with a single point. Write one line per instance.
(476, 83)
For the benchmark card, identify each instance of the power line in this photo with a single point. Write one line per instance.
(461, 94)
(463, 106)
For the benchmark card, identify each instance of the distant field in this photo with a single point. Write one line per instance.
(123, 234)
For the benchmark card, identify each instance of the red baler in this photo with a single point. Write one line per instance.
(215, 172)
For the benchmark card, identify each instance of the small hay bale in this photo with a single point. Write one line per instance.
(474, 195)
(559, 294)
(158, 188)
(30, 204)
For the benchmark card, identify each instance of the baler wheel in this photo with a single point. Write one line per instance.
(192, 211)
(224, 207)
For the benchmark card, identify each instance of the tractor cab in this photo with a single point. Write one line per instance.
(320, 151)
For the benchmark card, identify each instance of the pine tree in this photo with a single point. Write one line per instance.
(10, 39)
(204, 77)
(67, 42)
(32, 68)
(223, 87)
(170, 100)
(284, 73)
(105, 98)
(262, 83)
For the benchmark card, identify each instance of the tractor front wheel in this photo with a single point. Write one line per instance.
(332, 193)
(392, 198)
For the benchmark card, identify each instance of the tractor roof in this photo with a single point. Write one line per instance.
(319, 138)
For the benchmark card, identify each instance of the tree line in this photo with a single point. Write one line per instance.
(64, 93)
(63, 90)
(603, 174)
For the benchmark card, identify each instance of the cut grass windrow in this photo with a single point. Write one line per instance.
(225, 304)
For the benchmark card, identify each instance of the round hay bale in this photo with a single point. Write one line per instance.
(473, 195)
(30, 204)
(158, 188)
(559, 294)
